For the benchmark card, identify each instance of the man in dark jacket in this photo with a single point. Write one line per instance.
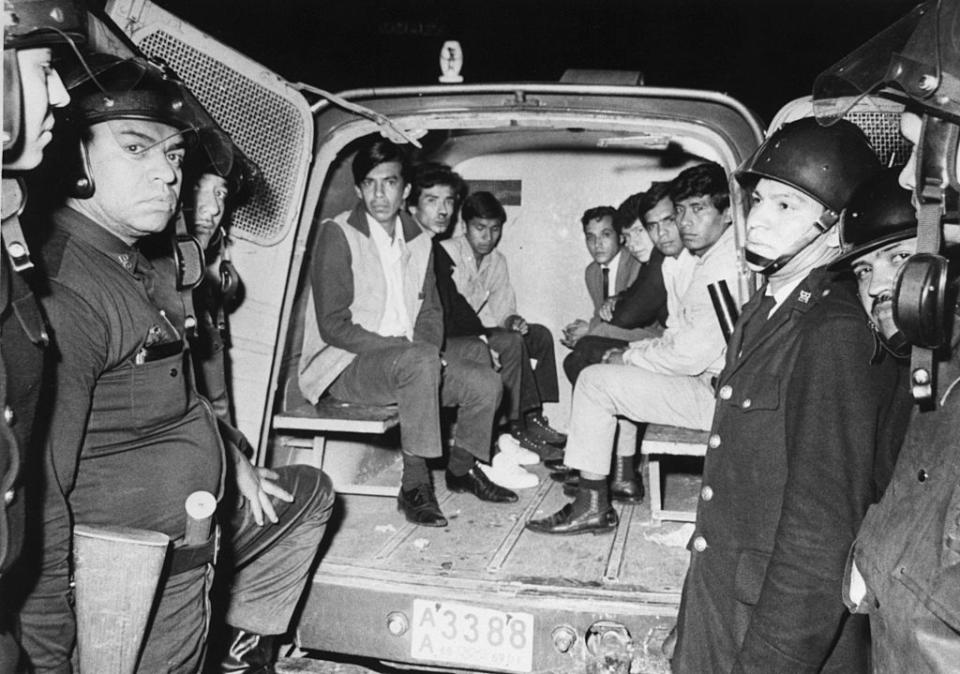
(905, 563)
(800, 415)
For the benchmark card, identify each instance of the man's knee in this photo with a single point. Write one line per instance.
(311, 488)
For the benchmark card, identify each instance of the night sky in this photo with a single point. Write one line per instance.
(763, 52)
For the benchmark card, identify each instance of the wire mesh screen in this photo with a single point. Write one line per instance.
(883, 129)
(267, 127)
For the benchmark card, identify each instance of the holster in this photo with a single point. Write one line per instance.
(185, 558)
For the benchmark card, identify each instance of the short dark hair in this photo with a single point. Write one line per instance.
(431, 174)
(648, 200)
(379, 151)
(702, 180)
(483, 205)
(598, 212)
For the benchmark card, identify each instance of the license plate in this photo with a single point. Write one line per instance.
(471, 635)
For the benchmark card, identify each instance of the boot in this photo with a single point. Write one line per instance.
(249, 653)
(625, 486)
(539, 427)
(589, 512)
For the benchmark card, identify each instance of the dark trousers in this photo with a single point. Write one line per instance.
(588, 351)
(268, 565)
(537, 386)
(413, 377)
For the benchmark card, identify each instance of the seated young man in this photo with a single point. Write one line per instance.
(435, 195)
(610, 272)
(649, 230)
(376, 329)
(663, 380)
(481, 274)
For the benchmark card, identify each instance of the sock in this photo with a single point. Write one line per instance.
(415, 472)
(623, 468)
(599, 486)
(460, 462)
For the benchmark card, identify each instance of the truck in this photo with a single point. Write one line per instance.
(483, 594)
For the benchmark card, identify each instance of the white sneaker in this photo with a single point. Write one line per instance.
(504, 472)
(511, 447)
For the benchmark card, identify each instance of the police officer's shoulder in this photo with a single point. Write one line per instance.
(834, 304)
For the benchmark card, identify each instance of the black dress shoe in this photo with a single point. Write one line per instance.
(478, 484)
(627, 491)
(419, 505)
(571, 519)
(556, 466)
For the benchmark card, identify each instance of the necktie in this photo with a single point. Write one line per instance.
(606, 283)
(758, 319)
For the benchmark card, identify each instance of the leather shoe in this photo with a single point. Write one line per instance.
(574, 519)
(419, 505)
(556, 465)
(627, 491)
(478, 484)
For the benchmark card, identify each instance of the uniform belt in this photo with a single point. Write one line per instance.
(188, 557)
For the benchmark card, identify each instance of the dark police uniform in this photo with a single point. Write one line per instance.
(130, 439)
(797, 398)
(22, 337)
(908, 549)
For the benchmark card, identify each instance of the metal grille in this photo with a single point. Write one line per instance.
(883, 130)
(265, 125)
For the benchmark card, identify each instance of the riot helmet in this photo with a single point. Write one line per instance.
(109, 87)
(879, 213)
(826, 164)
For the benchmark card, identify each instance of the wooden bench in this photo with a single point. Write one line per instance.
(334, 416)
(669, 440)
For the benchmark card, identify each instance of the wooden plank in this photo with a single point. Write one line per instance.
(674, 434)
(336, 416)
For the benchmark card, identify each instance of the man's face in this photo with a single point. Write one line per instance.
(136, 169)
(209, 202)
(42, 91)
(602, 239)
(661, 224)
(700, 223)
(910, 126)
(483, 235)
(876, 274)
(781, 220)
(637, 241)
(383, 191)
(434, 209)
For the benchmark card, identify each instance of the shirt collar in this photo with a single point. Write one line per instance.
(90, 232)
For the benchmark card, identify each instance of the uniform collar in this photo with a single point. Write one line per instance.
(84, 229)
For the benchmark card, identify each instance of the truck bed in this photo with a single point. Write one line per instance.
(375, 563)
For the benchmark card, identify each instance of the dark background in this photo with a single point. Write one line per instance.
(762, 52)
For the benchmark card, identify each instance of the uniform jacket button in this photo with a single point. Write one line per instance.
(922, 475)
(8, 496)
(726, 392)
(699, 543)
(706, 493)
(746, 403)
(8, 415)
(714, 441)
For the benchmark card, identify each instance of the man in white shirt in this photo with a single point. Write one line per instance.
(481, 275)
(663, 380)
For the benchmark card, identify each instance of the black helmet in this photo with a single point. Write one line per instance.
(34, 23)
(879, 213)
(826, 163)
(919, 54)
(220, 155)
(110, 87)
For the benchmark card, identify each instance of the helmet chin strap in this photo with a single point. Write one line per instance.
(767, 266)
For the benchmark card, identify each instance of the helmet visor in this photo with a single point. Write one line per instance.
(893, 56)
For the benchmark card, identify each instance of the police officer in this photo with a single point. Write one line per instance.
(789, 471)
(129, 436)
(905, 569)
(31, 89)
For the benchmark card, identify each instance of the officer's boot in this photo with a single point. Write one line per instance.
(625, 486)
(249, 653)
